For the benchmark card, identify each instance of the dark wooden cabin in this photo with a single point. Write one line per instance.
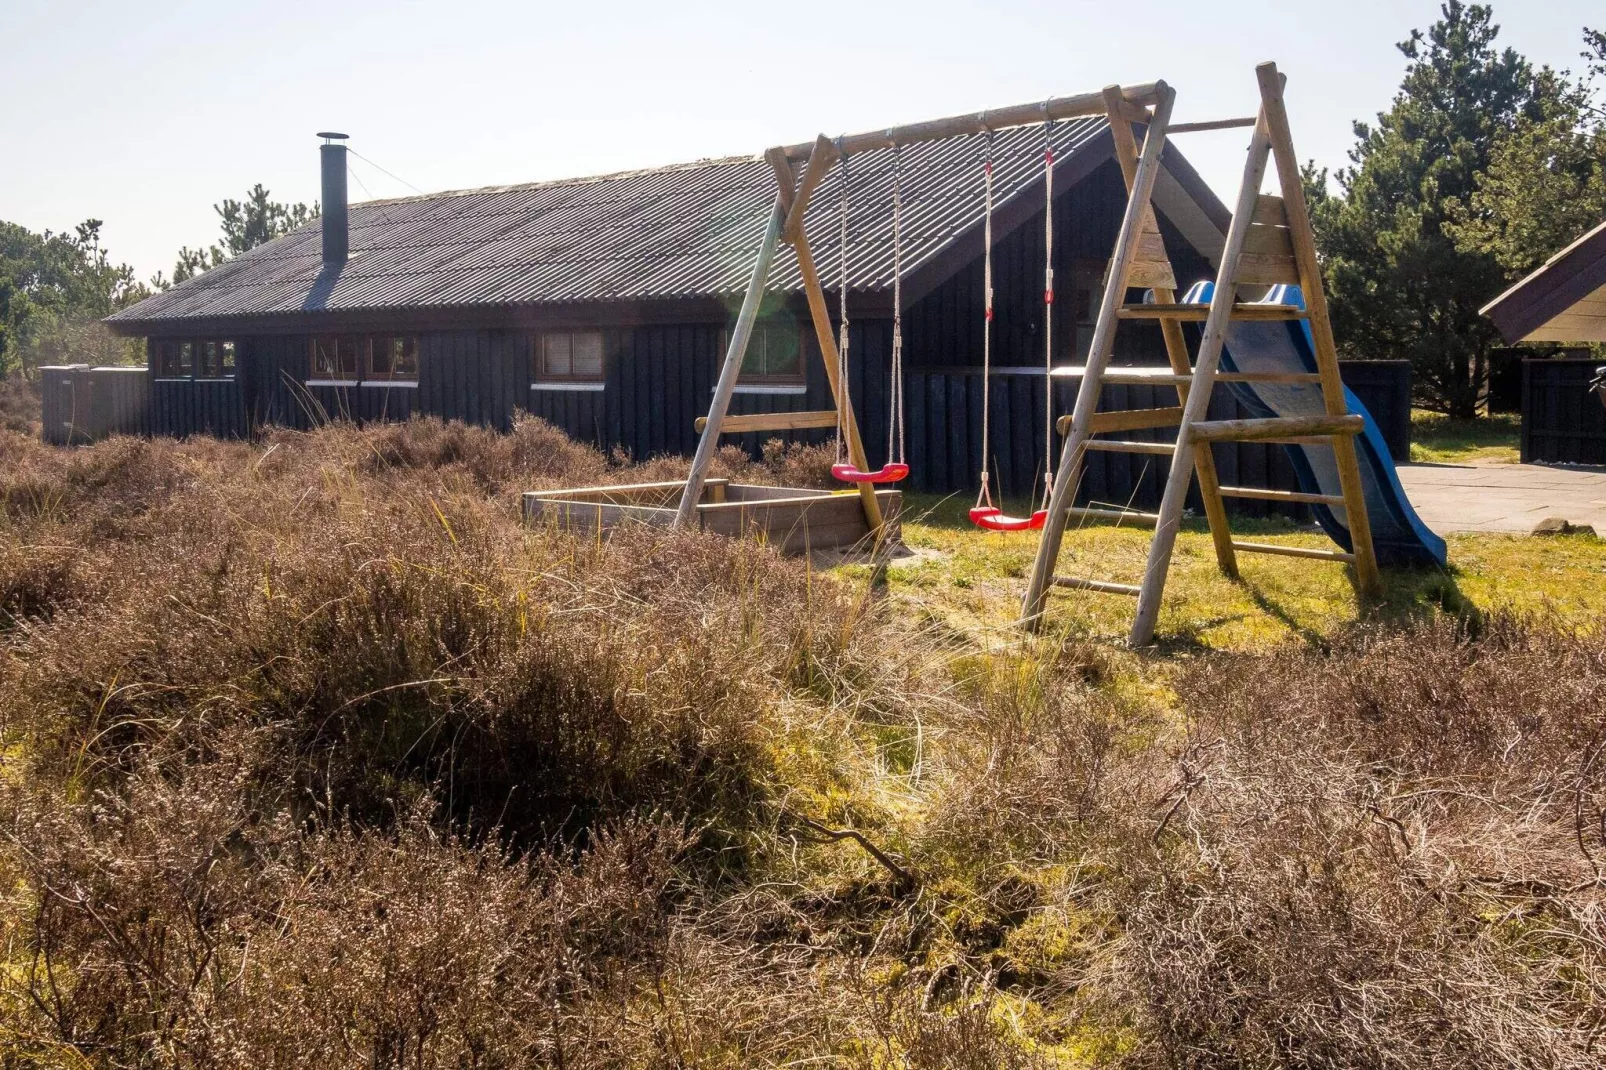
(601, 304)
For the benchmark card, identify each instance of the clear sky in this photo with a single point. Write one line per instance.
(146, 114)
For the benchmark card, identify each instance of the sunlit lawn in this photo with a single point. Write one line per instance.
(1437, 439)
(971, 581)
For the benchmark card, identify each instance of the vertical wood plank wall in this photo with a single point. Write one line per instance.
(1562, 421)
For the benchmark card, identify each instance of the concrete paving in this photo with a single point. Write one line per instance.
(1505, 497)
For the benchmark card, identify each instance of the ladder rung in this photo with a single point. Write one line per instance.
(1129, 375)
(1212, 124)
(1120, 516)
(1128, 420)
(1292, 551)
(1201, 312)
(1268, 377)
(1269, 495)
(1116, 445)
(1276, 427)
(773, 421)
(1102, 586)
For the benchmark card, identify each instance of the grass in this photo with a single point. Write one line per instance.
(971, 581)
(1492, 439)
(312, 754)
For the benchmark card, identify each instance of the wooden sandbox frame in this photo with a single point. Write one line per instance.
(792, 520)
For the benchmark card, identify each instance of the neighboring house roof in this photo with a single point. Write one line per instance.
(1564, 301)
(673, 232)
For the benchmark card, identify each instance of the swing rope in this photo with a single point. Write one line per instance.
(844, 399)
(985, 499)
(844, 469)
(1048, 308)
(984, 514)
(895, 415)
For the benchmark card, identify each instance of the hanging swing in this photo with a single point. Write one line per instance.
(895, 469)
(984, 514)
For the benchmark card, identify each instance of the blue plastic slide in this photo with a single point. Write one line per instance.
(1398, 533)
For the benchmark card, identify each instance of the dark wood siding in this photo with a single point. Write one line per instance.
(83, 404)
(944, 328)
(1562, 421)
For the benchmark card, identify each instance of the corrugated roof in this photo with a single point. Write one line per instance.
(689, 230)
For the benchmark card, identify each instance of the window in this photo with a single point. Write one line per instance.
(167, 358)
(393, 356)
(216, 360)
(183, 358)
(573, 356)
(774, 354)
(334, 357)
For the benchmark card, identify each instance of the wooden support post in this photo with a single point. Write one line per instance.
(1176, 351)
(821, 317)
(1103, 344)
(850, 423)
(1275, 117)
(1210, 346)
(709, 442)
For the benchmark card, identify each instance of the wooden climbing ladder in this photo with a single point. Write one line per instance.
(1269, 241)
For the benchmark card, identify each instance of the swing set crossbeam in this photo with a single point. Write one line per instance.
(773, 421)
(1137, 98)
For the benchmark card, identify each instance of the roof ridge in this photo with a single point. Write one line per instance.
(576, 180)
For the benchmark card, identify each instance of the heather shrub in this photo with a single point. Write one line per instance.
(311, 753)
(1386, 854)
(19, 405)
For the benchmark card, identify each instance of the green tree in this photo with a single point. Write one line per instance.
(1546, 179)
(1400, 285)
(246, 224)
(54, 291)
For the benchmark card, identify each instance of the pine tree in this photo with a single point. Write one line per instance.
(1400, 285)
(246, 224)
(1546, 180)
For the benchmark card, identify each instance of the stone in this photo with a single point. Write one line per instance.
(1557, 525)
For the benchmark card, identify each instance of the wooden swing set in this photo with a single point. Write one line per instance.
(1269, 242)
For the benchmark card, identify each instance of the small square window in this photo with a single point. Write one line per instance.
(774, 354)
(393, 356)
(334, 356)
(570, 355)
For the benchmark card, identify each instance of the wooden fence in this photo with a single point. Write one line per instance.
(1562, 421)
(82, 404)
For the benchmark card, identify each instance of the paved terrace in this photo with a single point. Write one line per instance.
(1505, 497)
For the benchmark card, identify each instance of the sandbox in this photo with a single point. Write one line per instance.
(792, 519)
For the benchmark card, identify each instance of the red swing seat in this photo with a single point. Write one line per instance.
(992, 518)
(888, 473)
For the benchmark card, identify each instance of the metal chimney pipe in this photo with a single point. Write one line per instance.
(335, 233)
